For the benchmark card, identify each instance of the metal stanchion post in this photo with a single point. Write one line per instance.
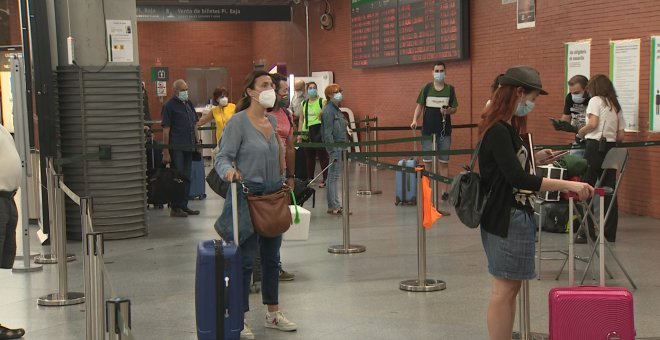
(434, 168)
(18, 91)
(118, 320)
(523, 317)
(347, 247)
(50, 187)
(369, 190)
(58, 238)
(94, 311)
(421, 284)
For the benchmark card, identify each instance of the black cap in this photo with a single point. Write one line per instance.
(524, 76)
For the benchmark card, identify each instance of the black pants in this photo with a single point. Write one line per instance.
(8, 222)
(594, 171)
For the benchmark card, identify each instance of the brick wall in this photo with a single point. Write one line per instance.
(194, 44)
(495, 45)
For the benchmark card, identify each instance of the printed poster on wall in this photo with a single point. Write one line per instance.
(526, 13)
(624, 73)
(654, 100)
(120, 40)
(578, 60)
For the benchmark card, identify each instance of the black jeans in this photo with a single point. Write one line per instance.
(594, 171)
(8, 222)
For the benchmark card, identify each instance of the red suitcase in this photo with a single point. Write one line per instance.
(590, 312)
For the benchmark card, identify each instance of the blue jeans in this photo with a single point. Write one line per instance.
(270, 268)
(8, 223)
(442, 144)
(182, 161)
(334, 172)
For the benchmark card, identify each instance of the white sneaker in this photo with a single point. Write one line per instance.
(277, 320)
(246, 333)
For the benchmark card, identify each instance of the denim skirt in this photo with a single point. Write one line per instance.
(512, 257)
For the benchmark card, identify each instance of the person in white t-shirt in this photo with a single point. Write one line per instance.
(10, 178)
(603, 129)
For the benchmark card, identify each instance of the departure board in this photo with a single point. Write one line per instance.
(374, 32)
(419, 31)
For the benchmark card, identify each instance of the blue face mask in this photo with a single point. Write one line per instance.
(338, 97)
(438, 76)
(312, 92)
(183, 95)
(577, 98)
(524, 108)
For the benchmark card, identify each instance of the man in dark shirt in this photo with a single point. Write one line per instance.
(179, 119)
(437, 101)
(575, 107)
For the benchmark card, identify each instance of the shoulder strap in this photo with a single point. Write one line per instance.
(320, 103)
(452, 95)
(279, 148)
(427, 89)
(306, 103)
(474, 155)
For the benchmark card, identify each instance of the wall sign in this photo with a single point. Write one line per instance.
(120, 40)
(578, 60)
(161, 88)
(213, 13)
(160, 73)
(654, 100)
(624, 73)
(526, 13)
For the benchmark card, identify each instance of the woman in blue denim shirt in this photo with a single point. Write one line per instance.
(333, 129)
(250, 151)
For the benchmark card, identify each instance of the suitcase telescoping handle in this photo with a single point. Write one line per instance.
(601, 235)
(234, 210)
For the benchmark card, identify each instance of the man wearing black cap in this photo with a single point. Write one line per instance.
(10, 179)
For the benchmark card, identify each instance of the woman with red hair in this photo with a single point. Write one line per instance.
(507, 224)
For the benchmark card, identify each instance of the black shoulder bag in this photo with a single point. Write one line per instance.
(467, 194)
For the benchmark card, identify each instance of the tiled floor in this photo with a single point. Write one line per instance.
(333, 296)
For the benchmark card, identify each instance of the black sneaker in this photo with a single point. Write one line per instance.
(445, 196)
(8, 333)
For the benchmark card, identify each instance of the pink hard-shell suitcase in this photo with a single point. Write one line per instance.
(590, 312)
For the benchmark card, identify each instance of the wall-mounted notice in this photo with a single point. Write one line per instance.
(526, 13)
(120, 40)
(624, 73)
(578, 60)
(654, 100)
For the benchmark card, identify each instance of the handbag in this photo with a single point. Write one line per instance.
(165, 185)
(270, 213)
(467, 194)
(216, 183)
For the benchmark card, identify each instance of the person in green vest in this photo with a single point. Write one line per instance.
(310, 121)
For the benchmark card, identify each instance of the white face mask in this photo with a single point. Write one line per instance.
(299, 93)
(267, 98)
(223, 101)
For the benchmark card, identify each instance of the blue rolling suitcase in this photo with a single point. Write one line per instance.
(197, 181)
(219, 287)
(406, 184)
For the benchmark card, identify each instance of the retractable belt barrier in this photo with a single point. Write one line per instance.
(117, 322)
